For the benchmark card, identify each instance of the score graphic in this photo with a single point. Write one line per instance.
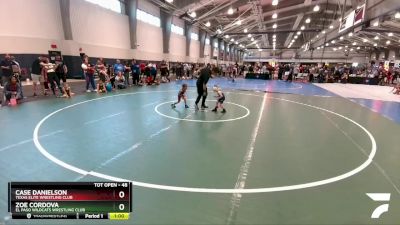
(78, 200)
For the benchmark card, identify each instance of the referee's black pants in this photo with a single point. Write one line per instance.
(201, 94)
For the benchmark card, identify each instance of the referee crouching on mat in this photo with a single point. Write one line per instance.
(201, 84)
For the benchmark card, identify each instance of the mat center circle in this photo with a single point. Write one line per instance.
(200, 116)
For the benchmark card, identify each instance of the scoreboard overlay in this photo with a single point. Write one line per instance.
(70, 200)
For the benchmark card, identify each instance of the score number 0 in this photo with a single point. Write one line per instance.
(121, 206)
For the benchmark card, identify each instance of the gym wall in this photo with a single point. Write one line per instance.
(30, 27)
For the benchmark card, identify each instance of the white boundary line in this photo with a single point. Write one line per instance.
(353, 172)
(28, 140)
(244, 169)
(104, 118)
(203, 121)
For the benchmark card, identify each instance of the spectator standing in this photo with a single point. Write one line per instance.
(127, 70)
(153, 71)
(61, 71)
(16, 71)
(135, 72)
(164, 71)
(118, 68)
(88, 72)
(52, 76)
(36, 75)
(142, 68)
(6, 69)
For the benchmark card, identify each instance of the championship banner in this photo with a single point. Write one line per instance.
(347, 22)
(359, 14)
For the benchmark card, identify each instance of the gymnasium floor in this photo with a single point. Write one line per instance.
(284, 153)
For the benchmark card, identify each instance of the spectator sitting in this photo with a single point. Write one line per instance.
(120, 81)
(101, 87)
(12, 90)
(67, 91)
(396, 89)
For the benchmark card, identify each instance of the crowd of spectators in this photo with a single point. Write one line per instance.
(378, 75)
(101, 77)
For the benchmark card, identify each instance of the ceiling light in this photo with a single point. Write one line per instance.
(274, 16)
(295, 37)
(322, 46)
(318, 48)
(397, 15)
(274, 2)
(298, 32)
(274, 36)
(375, 44)
(226, 36)
(317, 36)
(358, 47)
(219, 31)
(252, 39)
(302, 27)
(346, 46)
(193, 14)
(274, 26)
(334, 49)
(249, 35)
(333, 41)
(376, 38)
(239, 22)
(327, 44)
(376, 24)
(169, 1)
(230, 11)
(316, 8)
(345, 50)
(323, 32)
(236, 42)
(308, 20)
(350, 34)
(232, 39)
(365, 40)
(388, 42)
(259, 50)
(340, 47)
(208, 24)
(331, 27)
(390, 34)
(351, 49)
(354, 43)
(245, 30)
(341, 38)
